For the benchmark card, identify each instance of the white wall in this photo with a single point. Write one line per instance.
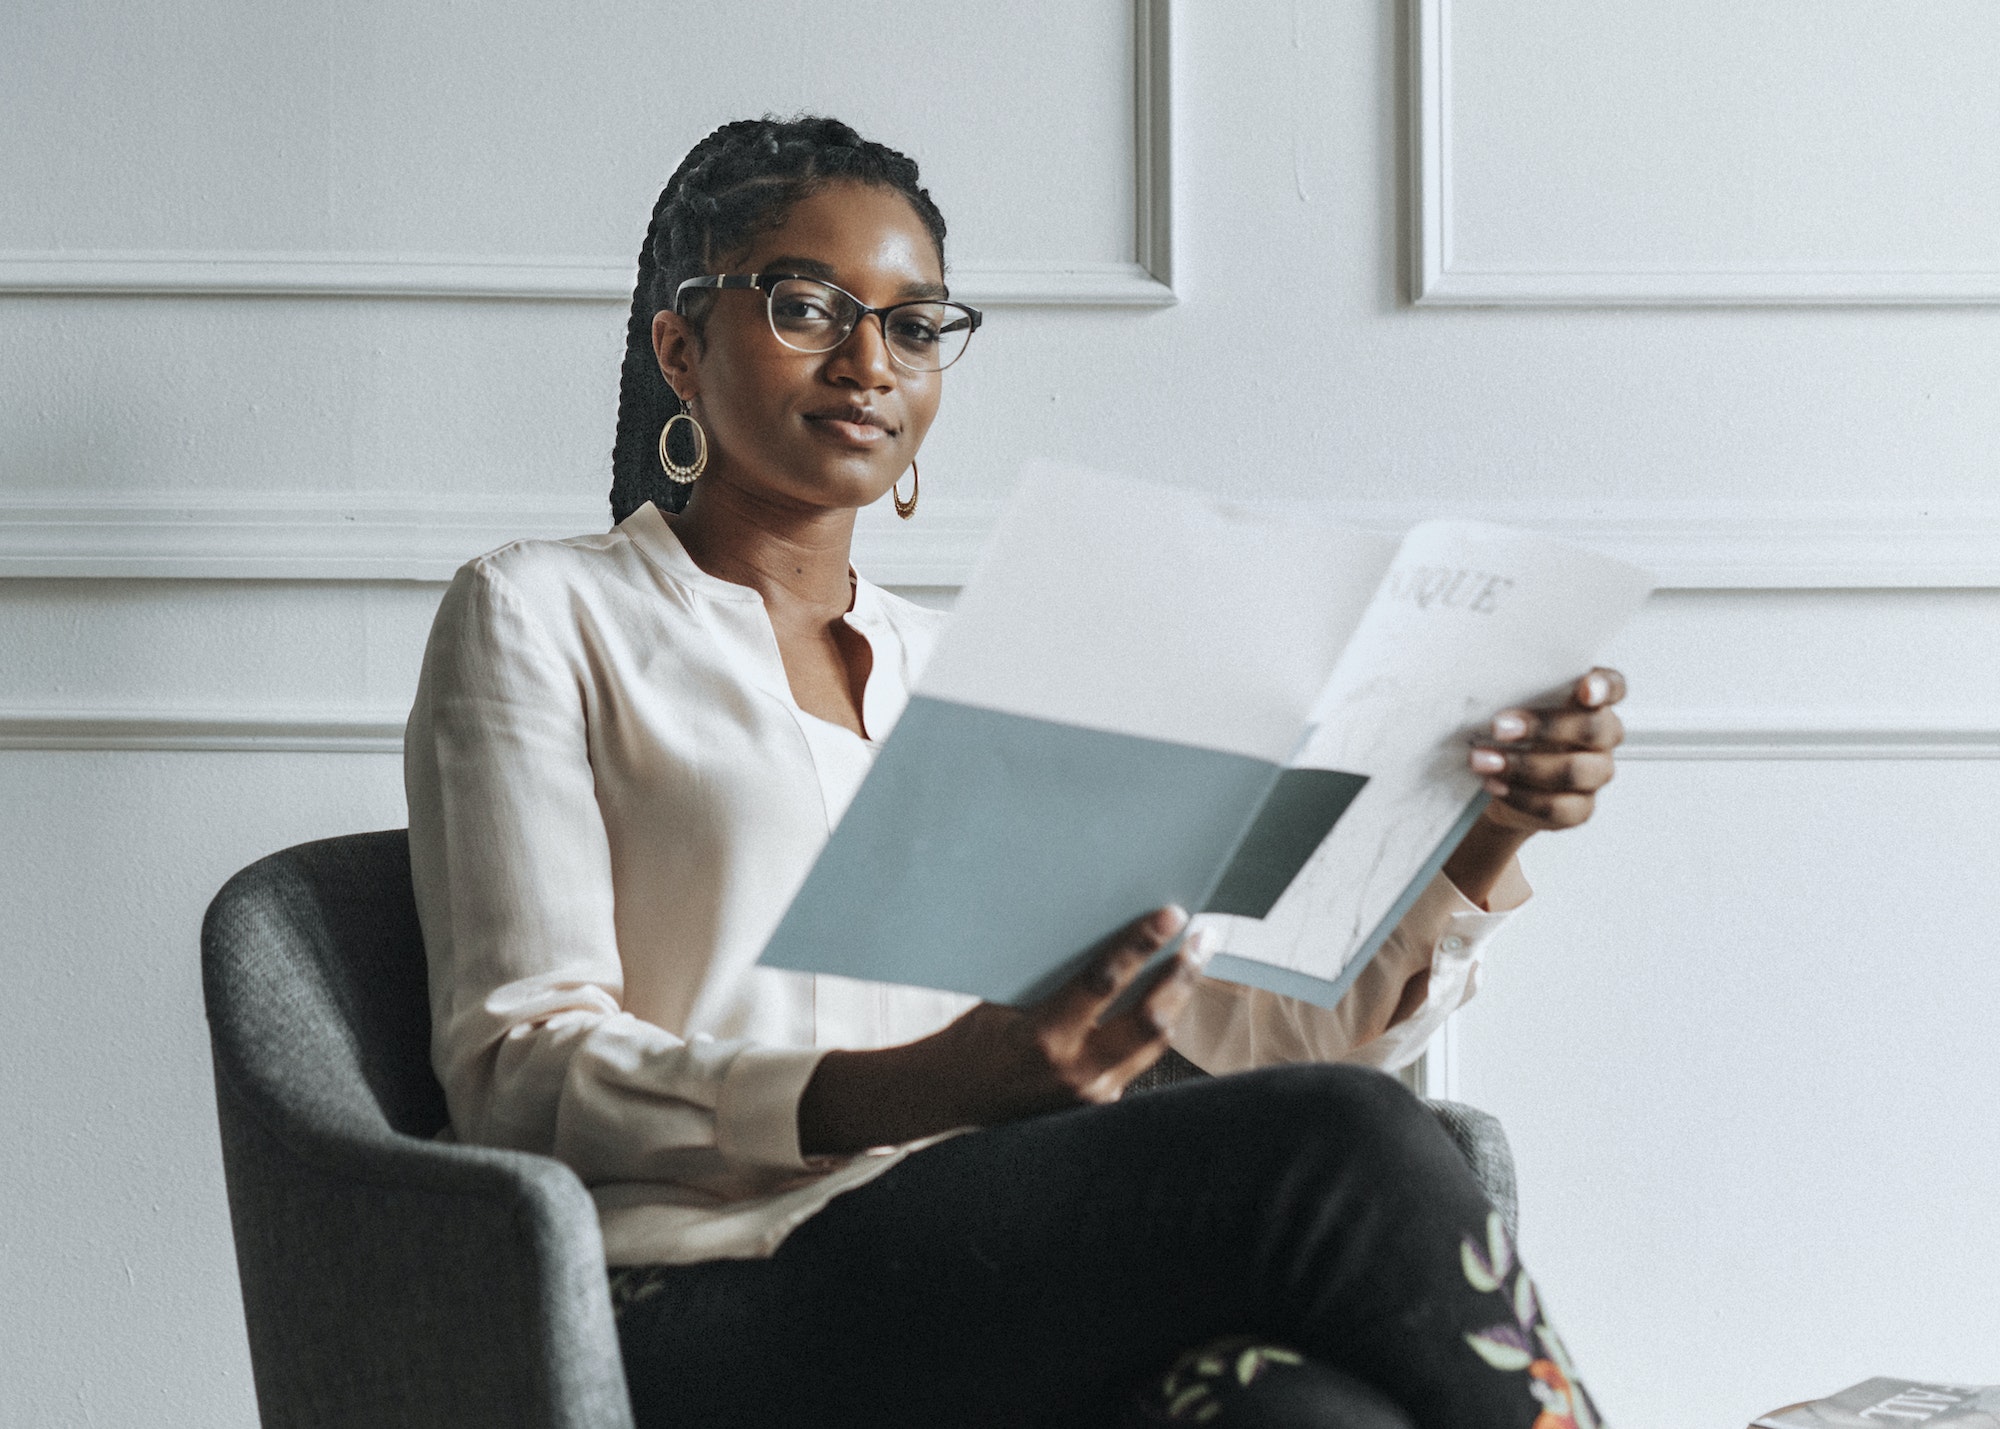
(1739, 1038)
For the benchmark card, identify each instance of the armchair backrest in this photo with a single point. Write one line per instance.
(313, 972)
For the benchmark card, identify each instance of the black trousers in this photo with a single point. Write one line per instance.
(1041, 1273)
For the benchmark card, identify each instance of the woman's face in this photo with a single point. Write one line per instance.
(812, 429)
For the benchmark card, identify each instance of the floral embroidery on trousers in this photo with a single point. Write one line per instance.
(1526, 1341)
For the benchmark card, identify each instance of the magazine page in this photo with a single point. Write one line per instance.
(1885, 1403)
(1123, 681)
(1470, 619)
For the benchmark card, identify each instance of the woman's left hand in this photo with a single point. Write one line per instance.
(1544, 767)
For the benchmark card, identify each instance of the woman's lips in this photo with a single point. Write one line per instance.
(848, 432)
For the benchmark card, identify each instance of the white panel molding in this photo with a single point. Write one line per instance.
(1153, 127)
(574, 280)
(1684, 737)
(327, 537)
(1751, 734)
(1772, 545)
(197, 274)
(1442, 281)
(209, 731)
(1689, 545)
(1435, 1073)
(1145, 281)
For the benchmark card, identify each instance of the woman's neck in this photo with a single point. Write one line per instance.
(798, 559)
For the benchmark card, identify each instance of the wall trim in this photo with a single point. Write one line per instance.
(1729, 735)
(192, 274)
(1442, 281)
(1435, 1073)
(1689, 545)
(1146, 281)
(198, 731)
(320, 537)
(1153, 126)
(1732, 735)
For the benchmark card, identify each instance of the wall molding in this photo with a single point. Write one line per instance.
(1689, 545)
(1441, 280)
(562, 280)
(1145, 281)
(1153, 126)
(206, 732)
(1680, 738)
(1435, 1073)
(323, 537)
(1736, 735)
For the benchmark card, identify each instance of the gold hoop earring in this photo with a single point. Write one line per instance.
(906, 509)
(676, 472)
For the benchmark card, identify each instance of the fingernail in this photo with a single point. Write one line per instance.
(1169, 920)
(1596, 689)
(1509, 726)
(1487, 761)
(1196, 949)
(1495, 787)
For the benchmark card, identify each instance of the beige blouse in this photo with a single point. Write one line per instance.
(613, 795)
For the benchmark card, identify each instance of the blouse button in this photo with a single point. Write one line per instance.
(1453, 944)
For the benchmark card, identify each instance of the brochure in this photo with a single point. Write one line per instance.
(1149, 695)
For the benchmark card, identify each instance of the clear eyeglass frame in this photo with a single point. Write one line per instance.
(941, 341)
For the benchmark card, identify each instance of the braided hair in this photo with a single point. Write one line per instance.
(738, 183)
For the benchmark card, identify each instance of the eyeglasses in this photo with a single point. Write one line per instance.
(808, 315)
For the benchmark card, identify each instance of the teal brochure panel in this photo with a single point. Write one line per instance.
(987, 852)
(1300, 811)
(1327, 992)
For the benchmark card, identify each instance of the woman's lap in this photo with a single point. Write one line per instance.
(1036, 1272)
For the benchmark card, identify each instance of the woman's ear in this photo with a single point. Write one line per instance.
(676, 344)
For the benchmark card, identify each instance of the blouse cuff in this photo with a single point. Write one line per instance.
(1467, 928)
(1445, 933)
(1444, 924)
(757, 1112)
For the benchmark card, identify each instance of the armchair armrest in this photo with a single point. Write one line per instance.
(1483, 1142)
(390, 1281)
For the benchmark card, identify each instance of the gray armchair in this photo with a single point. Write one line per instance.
(390, 1280)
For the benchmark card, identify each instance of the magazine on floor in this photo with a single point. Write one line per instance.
(1148, 695)
(1888, 1403)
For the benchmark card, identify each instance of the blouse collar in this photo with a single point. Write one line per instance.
(649, 530)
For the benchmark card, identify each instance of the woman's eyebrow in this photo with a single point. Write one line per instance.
(804, 267)
(813, 268)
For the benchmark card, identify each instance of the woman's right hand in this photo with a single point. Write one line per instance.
(997, 1064)
(1007, 1063)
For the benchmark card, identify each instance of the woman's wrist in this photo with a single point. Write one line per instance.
(856, 1100)
(1476, 865)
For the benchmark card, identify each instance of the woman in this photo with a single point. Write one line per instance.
(627, 749)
